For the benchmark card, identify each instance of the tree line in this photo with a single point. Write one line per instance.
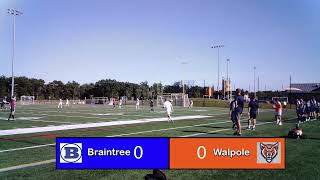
(102, 88)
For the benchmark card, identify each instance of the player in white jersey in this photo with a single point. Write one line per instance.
(67, 102)
(190, 104)
(120, 103)
(169, 109)
(138, 104)
(60, 104)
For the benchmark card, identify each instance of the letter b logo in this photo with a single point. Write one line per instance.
(70, 153)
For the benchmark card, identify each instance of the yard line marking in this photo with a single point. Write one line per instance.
(165, 129)
(29, 147)
(37, 120)
(27, 165)
(197, 134)
(91, 125)
(191, 135)
(60, 122)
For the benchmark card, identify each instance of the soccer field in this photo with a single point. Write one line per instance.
(27, 145)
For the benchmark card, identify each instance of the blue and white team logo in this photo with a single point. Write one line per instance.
(70, 153)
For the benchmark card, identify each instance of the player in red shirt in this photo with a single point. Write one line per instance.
(12, 108)
(278, 108)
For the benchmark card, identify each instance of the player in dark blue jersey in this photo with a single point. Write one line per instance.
(318, 110)
(313, 108)
(239, 109)
(151, 105)
(253, 110)
(298, 108)
(232, 114)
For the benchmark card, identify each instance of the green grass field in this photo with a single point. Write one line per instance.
(20, 152)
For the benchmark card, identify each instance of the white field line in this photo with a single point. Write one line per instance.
(91, 125)
(97, 115)
(226, 129)
(27, 165)
(36, 119)
(60, 122)
(29, 147)
(165, 129)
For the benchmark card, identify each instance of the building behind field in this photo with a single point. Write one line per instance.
(303, 90)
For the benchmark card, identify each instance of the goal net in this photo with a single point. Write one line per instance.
(281, 99)
(26, 100)
(97, 100)
(178, 99)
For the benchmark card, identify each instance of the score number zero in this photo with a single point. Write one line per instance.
(201, 155)
(135, 152)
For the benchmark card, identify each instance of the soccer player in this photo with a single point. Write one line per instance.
(138, 104)
(2, 103)
(232, 113)
(308, 110)
(299, 109)
(67, 102)
(313, 103)
(120, 103)
(169, 109)
(60, 104)
(151, 105)
(239, 110)
(191, 104)
(12, 108)
(114, 103)
(253, 110)
(318, 110)
(278, 110)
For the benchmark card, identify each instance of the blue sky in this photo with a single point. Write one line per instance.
(138, 40)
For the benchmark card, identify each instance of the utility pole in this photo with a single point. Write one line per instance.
(224, 87)
(14, 13)
(204, 88)
(290, 93)
(218, 47)
(228, 80)
(258, 87)
(254, 81)
(182, 83)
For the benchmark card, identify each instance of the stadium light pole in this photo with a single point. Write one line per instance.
(228, 80)
(182, 83)
(254, 81)
(290, 92)
(258, 88)
(14, 13)
(218, 47)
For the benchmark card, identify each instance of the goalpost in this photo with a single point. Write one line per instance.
(98, 100)
(26, 100)
(178, 99)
